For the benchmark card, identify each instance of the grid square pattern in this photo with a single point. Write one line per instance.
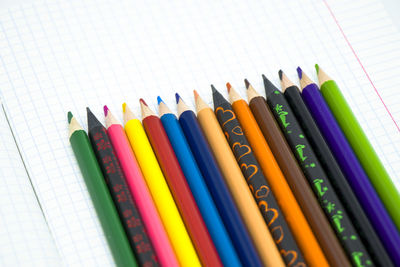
(58, 56)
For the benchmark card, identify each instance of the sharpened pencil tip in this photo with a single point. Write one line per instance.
(299, 72)
(246, 82)
(317, 68)
(70, 116)
(143, 102)
(105, 110)
(177, 97)
(213, 89)
(159, 100)
(88, 111)
(229, 86)
(123, 107)
(280, 72)
(196, 95)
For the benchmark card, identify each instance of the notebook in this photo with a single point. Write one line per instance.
(58, 56)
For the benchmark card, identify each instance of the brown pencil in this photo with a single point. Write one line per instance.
(235, 181)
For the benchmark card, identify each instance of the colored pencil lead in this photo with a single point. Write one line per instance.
(299, 72)
(105, 110)
(246, 82)
(69, 116)
(177, 97)
(196, 95)
(280, 72)
(229, 86)
(159, 100)
(146, 111)
(317, 68)
(143, 102)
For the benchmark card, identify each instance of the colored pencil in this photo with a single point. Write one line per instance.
(198, 187)
(139, 191)
(255, 176)
(322, 230)
(257, 227)
(102, 201)
(215, 182)
(179, 188)
(363, 149)
(283, 154)
(321, 185)
(334, 173)
(159, 190)
(351, 168)
(298, 224)
(115, 180)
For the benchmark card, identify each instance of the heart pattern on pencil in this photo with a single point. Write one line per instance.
(271, 213)
(262, 192)
(227, 115)
(277, 234)
(249, 170)
(237, 130)
(290, 257)
(241, 150)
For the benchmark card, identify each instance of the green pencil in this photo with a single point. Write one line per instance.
(362, 147)
(105, 209)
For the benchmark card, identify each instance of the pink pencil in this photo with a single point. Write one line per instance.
(140, 192)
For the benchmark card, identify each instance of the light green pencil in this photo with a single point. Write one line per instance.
(362, 147)
(95, 183)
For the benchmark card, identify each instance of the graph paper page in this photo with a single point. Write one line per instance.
(58, 56)
(24, 234)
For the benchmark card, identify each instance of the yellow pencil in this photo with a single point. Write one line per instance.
(159, 190)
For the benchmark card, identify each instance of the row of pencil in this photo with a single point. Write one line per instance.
(290, 180)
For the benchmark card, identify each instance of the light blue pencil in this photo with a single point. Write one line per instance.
(198, 187)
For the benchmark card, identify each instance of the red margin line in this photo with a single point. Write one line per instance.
(359, 61)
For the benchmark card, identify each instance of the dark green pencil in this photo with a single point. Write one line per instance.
(105, 209)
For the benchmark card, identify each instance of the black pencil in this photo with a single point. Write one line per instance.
(316, 177)
(120, 193)
(334, 173)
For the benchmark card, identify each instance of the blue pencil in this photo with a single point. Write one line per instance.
(216, 185)
(198, 187)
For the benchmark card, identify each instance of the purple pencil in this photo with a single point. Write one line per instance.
(351, 167)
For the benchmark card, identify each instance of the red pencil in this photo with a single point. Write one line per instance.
(180, 190)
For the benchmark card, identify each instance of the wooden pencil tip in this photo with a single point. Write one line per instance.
(123, 107)
(246, 82)
(70, 116)
(229, 86)
(317, 68)
(143, 102)
(105, 110)
(280, 72)
(299, 72)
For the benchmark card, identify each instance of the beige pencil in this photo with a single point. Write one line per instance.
(238, 187)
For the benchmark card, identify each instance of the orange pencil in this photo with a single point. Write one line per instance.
(286, 200)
